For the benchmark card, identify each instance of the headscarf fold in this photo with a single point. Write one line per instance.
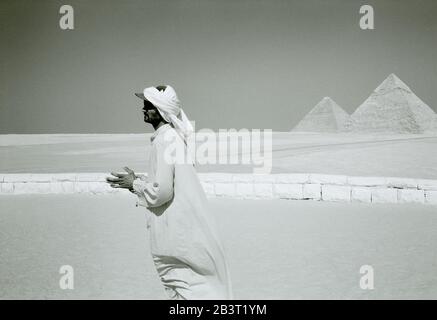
(168, 105)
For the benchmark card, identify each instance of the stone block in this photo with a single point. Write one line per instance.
(243, 177)
(16, 177)
(224, 189)
(288, 191)
(361, 194)
(367, 181)
(411, 196)
(61, 177)
(401, 183)
(312, 191)
(31, 188)
(6, 188)
(81, 187)
(244, 190)
(68, 187)
(427, 184)
(208, 188)
(328, 179)
(431, 197)
(384, 195)
(263, 190)
(336, 193)
(292, 178)
(263, 178)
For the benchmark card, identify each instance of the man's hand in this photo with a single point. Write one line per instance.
(122, 180)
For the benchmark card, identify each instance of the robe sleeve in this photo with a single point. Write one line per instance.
(159, 191)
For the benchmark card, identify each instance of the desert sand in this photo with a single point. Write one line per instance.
(398, 155)
(276, 249)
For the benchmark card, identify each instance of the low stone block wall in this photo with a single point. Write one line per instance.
(318, 187)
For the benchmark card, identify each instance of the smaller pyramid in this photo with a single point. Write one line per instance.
(326, 116)
(393, 107)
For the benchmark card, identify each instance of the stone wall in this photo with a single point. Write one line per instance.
(247, 186)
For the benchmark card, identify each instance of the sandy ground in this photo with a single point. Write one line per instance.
(276, 249)
(413, 156)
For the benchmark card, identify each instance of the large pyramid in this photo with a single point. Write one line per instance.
(393, 107)
(326, 116)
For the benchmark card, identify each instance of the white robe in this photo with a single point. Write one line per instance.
(185, 245)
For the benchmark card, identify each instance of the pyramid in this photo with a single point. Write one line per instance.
(393, 107)
(326, 116)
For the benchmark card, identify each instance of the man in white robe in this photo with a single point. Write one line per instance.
(185, 245)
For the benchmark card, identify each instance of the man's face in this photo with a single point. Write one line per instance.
(151, 114)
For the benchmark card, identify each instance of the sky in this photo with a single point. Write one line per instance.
(258, 64)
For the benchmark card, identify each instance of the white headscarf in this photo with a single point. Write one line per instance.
(168, 105)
